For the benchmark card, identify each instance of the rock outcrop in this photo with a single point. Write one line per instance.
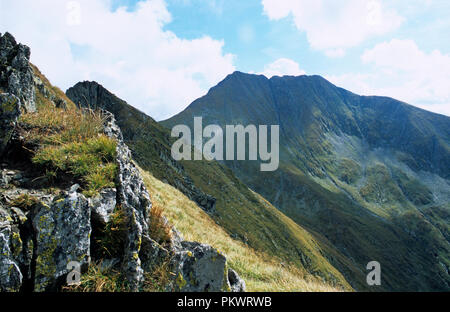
(42, 231)
(9, 112)
(62, 234)
(10, 246)
(16, 72)
(16, 85)
(196, 267)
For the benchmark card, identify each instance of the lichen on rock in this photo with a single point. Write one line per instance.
(62, 235)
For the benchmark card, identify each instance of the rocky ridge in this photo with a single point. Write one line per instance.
(42, 230)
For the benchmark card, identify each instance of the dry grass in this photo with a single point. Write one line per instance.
(260, 271)
(55, 126)
(69, 140)
(97, 279)
(160, 229)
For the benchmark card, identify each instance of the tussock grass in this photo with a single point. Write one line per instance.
(159, 228)
(260, 271)
(69, 141)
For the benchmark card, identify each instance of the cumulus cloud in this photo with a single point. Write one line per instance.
(130, 53)
(282, 67)
(400, 69)
(332, 26)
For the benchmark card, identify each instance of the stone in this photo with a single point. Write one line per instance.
(62, 233)
(9, 112)
(135, 202)
(237, 284)
(10, 274)
(103, 205)
(200, 268)
(152, 254)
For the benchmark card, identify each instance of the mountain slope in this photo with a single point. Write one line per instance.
(241, 213)
(260, 271)
(369, 174)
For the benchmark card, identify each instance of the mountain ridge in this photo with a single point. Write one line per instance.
(377, 165)
(213, 187)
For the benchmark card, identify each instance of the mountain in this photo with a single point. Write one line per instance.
(368, 175)
(75, 214)
(247, 219)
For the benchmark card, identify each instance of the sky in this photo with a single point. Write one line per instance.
(160, 55)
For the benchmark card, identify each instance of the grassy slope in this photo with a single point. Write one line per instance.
(261, 271)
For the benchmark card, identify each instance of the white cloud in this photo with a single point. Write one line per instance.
(128, 52)
(332, 26)
(283, 67)
(399, 69)
(335, 53)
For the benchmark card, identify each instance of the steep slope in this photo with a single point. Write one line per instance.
(236, 209)
(75, 214)
(260, 271)
(370, 174)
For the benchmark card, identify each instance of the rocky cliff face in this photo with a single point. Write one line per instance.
(16, 85)
(46, 227)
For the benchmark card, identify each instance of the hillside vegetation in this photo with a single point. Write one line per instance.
(261, 271)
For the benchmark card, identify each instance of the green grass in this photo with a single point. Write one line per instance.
(70, 141)
(380, 186)
(262, 271)
(92, 162)
(415, 191)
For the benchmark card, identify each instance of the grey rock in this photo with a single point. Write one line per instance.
(10, 247)
(9, 112)
(103, 205)
(135, 202)
(237, 284)
(152, 254)
(200, 268)
(16, 73)
(74, 188)
(62, 235)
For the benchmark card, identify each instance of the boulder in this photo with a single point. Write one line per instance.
(237, 284)
(200, 268)
(62, 233)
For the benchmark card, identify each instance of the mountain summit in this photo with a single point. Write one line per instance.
(369, 174)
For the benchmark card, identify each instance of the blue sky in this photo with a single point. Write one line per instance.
(161, 55)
